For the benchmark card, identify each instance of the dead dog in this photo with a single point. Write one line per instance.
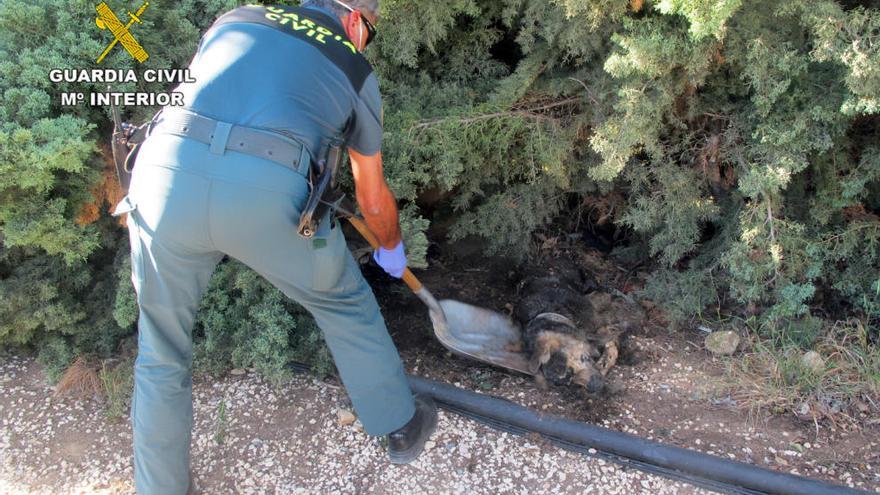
(572, 332)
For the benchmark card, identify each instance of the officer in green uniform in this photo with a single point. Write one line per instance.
(227, 175)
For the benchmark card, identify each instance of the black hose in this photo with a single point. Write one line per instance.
(607, 456)
(670, 460)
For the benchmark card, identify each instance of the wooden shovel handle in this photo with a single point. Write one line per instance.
(361, 227)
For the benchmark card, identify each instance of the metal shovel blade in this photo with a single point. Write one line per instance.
(477, 333)
(467, 330)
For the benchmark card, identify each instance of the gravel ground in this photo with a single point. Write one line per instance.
(252, 438)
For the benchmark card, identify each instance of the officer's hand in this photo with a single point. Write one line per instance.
(393, 261)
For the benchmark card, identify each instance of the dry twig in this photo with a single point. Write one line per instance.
(532, 113)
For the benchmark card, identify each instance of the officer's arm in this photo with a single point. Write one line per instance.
(375, 199)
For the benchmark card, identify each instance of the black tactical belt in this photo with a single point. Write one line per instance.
(222, 136)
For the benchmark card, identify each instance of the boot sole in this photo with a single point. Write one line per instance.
(411, 454)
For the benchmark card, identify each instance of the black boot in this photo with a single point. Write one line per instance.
(405, 444)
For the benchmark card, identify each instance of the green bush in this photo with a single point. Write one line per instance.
(64, 286)
(732, 142)
(245, 322)
(740, 136)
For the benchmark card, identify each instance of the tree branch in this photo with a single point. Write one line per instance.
(525, 112)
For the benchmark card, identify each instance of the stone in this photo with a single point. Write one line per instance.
(813, 362)
(722, 343)
(803, 410)
(237, 372)
(345, 417)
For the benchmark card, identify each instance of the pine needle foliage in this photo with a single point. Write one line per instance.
(244, 322)
(733, 142)
(739, 134)
(65, 286)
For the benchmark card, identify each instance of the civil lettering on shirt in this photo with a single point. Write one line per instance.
(313, 30)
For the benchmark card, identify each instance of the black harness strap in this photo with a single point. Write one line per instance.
(316, 28)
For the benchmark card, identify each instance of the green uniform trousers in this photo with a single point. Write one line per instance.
(187, 207)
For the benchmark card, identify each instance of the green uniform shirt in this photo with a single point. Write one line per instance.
(252, 75)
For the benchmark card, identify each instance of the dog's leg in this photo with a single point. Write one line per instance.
(609, 357)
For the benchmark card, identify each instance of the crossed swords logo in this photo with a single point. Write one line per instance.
(107, 20)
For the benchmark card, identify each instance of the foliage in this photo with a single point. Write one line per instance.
(679, 293)
(38, 201)
(42, 305)
(740, 136)
(245, 322)
(732, 142)
(118, 384)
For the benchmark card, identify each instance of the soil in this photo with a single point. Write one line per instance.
(674, 392)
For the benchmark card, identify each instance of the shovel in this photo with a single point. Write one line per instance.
(466, 330)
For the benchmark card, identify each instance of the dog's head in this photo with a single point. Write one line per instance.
(564, 360)
(560, 370)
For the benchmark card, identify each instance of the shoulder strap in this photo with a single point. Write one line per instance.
(316, 28)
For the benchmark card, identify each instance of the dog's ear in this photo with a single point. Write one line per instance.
(545, 346)
(590, 283)
(538, 358)
(586, 281)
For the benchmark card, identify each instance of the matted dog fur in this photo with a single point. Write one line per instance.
(573, 333)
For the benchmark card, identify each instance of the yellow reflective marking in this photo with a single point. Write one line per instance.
(315, 31)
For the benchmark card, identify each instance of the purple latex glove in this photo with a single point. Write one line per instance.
(393, 261)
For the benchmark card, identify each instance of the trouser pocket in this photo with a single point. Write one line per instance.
(128, 206)
(330, 258)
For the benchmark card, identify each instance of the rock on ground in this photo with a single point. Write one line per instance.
(722, 343)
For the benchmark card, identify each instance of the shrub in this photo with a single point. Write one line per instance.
(733, 143)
